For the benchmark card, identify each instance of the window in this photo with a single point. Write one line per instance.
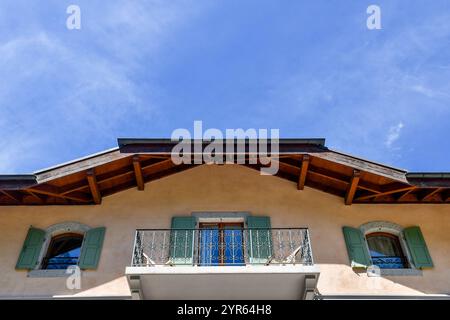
(63, 251)
(49, 252)
(386, 251)
(395, 250)
(221, 244)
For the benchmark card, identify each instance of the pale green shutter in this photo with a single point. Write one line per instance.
(91, 248)
(182, 240)
(417, 247)
(356, 248)
(259, 239)
(31, 249)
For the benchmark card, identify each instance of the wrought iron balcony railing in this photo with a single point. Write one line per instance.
(389, 262)
(222, 247)
(59, 262)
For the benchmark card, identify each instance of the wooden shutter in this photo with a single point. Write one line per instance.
(31, 249)
(182, 240)
(91, 248)
(259, 239)
(417, 247)
(356, 248)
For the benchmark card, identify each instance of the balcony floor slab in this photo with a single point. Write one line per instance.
(224, 282)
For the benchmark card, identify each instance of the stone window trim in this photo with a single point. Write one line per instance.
(220, 216)
(397, 230)
(50, 232)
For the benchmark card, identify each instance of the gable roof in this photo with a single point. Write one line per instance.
(305, 162)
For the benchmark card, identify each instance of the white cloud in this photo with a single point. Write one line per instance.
(371, 83)
(64, 90)
(393, 134)
(429, 92)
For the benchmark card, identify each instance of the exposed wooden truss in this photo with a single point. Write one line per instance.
(87, 181)
(429, 194)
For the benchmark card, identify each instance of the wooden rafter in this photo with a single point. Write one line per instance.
(350, 194)
(93, 186)
(342, 178)
(118, 173)
(446, 195)
(39, 198)
(329, 175)
(12, 195)
(430, 194)
(159, 166)
(385, 193)
(405, 194)
(55, 192)
(303, 172)
(286, 167)
(138, 173)
(81, 185)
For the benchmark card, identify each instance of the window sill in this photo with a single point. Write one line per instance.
(48, 274)
(395, 272)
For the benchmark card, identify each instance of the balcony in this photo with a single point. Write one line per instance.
(229, 263)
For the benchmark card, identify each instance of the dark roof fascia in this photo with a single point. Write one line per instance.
(428, 175)
(429, 179)
(127, 141)
(16, 181)
(292, 146)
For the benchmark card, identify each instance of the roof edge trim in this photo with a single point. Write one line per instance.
(93, 155)
(130, 141)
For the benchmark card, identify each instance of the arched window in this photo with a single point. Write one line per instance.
(63, 251)
(386, 251)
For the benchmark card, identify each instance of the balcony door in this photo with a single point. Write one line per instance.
(221, 244)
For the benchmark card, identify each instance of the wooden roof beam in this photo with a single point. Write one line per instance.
(405, 194)
(157, 167)
(328, 174)
(118, 173)
(397, 190)
(16, 197)
(303, 172)
(352, 187)
(40, 198)
(53, 191)
(138, 173)
(430, 194)
(93, 186)
(446, 195)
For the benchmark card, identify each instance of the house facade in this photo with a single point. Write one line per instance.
(129, 223)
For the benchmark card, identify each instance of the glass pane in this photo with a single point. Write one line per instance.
(209, 247)
(221, 245)
(233, 252)
(63, 252)
(386, 252)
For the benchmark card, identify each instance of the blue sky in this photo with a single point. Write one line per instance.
(145, 68)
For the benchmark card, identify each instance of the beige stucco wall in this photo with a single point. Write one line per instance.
(226, 188)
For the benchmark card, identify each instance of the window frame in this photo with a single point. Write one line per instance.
(396, 230)
(44, 262)
(221, 217)
(220, 227)
(50, 232)
(396, 239)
